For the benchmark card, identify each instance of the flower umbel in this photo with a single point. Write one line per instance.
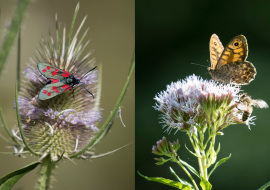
(66, 123)
(194, 104)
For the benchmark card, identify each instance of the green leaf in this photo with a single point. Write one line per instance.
(190, 168)
(264, 186)
(167, 182)
(205, 184)
(7, 181)
(219, 163)
(183, 181)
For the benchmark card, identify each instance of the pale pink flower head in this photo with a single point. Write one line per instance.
(195, 104)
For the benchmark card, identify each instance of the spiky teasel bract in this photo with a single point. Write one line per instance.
(66, 123)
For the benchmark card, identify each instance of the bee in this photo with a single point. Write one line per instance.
(245, 104)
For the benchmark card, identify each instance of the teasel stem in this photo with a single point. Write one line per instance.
(12, 31)
(19, 60)
(45, 173)
(112, 115)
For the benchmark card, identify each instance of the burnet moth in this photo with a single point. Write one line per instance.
(60, 81)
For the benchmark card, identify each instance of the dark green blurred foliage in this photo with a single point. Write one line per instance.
(169, 37)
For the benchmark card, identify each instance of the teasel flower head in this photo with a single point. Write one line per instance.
(194, 104)
(66, 123)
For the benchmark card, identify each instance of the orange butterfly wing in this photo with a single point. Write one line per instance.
(216, 48)
(229, 65)
(235, 50)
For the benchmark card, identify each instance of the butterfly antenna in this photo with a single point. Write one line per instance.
(198, 64)
(88, 72)
(87, 90)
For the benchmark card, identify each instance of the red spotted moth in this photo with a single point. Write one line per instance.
(60, 81)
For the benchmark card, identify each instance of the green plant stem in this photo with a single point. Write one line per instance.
(198, 151)
(12, 31)
(203, 159)
(189, 175)
(45, 173)
(19, 61)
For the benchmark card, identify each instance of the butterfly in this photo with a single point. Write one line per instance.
(60, 81)
(229, 65)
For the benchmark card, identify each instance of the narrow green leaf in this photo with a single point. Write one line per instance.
(264, 186)
(190, 168)
(7, 181)
(183, 181)
(205, 184)
(168, 182)
(218, 149)
(190, 151)
(219, 163)
(7, 130)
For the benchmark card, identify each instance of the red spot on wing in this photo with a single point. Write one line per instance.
(49, 94)
(65, 75)
(48, 67)
(65, 86)
(67, 72)
(55, 89)
(54, 80)
(67, 89)
(44, 91)
(44, 70)
(55, 72)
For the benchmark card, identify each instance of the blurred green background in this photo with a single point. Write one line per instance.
(112, 35)
(169, 36)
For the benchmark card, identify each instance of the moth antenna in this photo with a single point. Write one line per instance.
(87, 73)
(87, 90)
(198, 64)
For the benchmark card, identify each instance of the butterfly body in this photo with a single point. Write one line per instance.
(60, 81)
(229, 65)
